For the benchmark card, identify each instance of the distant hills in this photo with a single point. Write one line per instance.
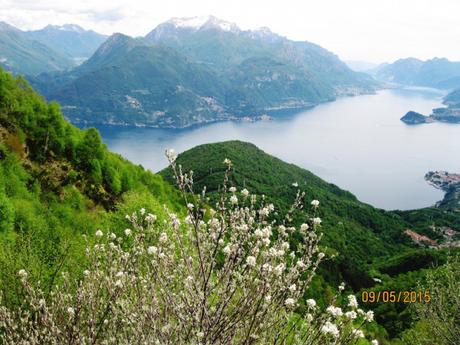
(51, 49)
(20, 54)
(196, 70)
(437, 73)
(69, 39)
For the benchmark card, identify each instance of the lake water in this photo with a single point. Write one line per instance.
(358, 143)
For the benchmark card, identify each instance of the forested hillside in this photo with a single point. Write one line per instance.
(58, 183)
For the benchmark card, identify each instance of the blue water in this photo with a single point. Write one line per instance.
(358, 143)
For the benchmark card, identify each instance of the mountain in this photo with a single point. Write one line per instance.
(126, 82)
(20, 54)
(197, 70)
(438, 73)
(223, 45)
(70, 40)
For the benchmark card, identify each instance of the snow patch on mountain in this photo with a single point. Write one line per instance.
(205, 22)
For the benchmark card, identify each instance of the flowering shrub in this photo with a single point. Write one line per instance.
(228, 274)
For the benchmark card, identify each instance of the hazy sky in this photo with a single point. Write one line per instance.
(369, 30)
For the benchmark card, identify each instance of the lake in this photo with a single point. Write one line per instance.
(357, 143)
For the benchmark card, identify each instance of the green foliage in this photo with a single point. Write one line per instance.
(6, 214)
(438, 321)
(57, 184)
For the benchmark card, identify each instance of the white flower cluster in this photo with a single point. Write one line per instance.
(229, 274)
(334, 325)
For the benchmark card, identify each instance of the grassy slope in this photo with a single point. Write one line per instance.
(58, 183)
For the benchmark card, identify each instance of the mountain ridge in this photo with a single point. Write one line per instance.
(437, 72)
(253, 73)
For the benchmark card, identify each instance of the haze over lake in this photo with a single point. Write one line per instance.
(358, 143)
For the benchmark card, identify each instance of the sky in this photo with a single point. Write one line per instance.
(364, 30)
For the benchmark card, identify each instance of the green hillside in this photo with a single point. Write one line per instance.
(58, 183)
(369, 242)
(351, 227)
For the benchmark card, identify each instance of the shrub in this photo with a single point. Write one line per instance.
(230, 274)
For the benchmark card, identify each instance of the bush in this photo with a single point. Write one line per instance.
(224, 275)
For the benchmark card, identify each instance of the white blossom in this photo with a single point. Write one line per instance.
(351, 315)
(22, 273)
(304, 227)
(289, 302)
(369, 316)
(99, 233)
(163, 237)
(251, 261)
(151, 218)
(315, 203)
(152, 250)
(352, 301)
(334, 311)
(127, 232)
(280, 269)
(317, 221)
(375, 342)
(258, 233)
(233, 199)
(70, 311)
(245, 193)
(311, 303)
(232, 189)
(300, 264)
(330, 328)
(171, 155)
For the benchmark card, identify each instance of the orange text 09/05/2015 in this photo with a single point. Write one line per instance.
(391, 296)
